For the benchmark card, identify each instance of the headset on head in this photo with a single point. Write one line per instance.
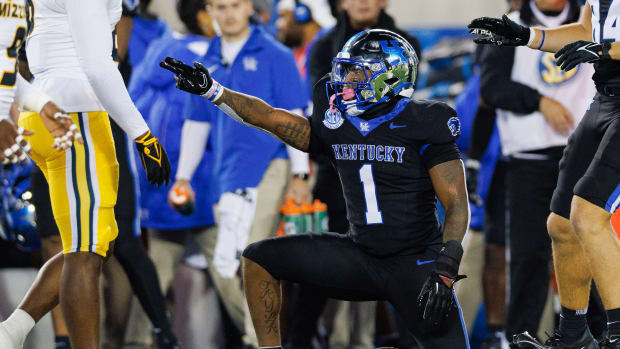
(302, 13)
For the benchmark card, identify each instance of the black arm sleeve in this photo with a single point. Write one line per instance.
(481, 131)
(435, 154)
(496, 86)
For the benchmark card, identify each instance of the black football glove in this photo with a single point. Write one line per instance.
(501, 32)
(436, 299)
(154, 159)
(196, 79)
(472, 167)
(569, 56)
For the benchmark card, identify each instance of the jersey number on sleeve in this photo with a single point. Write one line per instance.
(10, 77)
(373, 215)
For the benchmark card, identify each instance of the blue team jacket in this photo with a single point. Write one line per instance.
(263, 68)
(153, 90)
(143, 32)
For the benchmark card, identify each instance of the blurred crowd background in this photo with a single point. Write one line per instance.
(200, 285)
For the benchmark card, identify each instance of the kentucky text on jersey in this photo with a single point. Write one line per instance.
(11, 10)
(369, 152)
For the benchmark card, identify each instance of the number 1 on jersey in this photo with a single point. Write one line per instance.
(373, 215)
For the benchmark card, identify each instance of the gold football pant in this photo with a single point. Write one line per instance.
(83, 181)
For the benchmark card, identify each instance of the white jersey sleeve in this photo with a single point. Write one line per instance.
(90, 30)
(12, 33)
(194, 137)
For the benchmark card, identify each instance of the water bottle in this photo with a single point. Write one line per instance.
(292, 217)
(321, 221)
(181, 201)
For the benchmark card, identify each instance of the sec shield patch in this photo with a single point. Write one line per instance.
(455, 126)
(333, 118)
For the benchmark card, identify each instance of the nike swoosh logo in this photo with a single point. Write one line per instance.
(392, 126)
(421, 262)
(585, 48)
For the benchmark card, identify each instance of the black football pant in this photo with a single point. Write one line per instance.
(340, 269)
(306, 299)
(530, 179)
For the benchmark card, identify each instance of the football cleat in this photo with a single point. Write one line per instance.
(525, 340)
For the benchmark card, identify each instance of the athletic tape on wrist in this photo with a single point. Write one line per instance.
(215, 92)
(532, 37)
(36, 100)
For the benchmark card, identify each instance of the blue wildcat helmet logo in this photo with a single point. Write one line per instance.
(455, 126)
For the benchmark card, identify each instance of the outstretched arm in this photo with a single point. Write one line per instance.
(449, 183)
(291, 128)
(573, 44)
(556, 38)
(505, 32)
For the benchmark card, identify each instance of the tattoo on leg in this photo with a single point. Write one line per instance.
(269, 295)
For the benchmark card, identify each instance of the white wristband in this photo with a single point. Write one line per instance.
(215, 92)
(532, 37)
(35, 100)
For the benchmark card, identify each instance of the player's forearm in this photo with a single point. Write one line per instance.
(554, 39)
(614, 51)
(448, 180)
(456, 219)
(290, 128)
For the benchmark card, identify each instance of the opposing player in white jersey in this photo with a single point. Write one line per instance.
(588, 188)
(14, 25)
(70, 53)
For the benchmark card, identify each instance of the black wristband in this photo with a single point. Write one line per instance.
(302, 176)
(449, 259)
(605, 47)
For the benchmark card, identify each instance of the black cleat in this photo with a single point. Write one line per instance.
(525, 340)
(611, 343)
